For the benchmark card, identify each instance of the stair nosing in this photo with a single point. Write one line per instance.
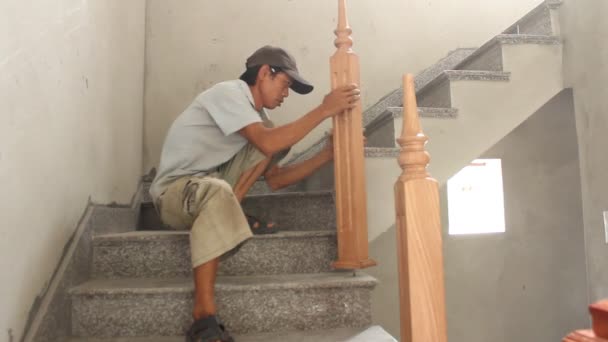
(137, 286)
(154, 235)
(382, 152)
(426, 112)
(292, 194)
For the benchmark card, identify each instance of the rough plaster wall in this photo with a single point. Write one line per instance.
(527, 284)
(195, 44)
(71, 90)
(585, 32)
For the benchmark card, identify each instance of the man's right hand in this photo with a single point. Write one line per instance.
(340, 99)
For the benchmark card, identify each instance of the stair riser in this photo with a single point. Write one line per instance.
(538, 23)
(383, 133)
(490, 59)
(438, 95)
(313, 211)
(293, 213)
(169, 258)
(169, 314)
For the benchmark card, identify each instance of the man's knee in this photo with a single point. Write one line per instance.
(198, 193)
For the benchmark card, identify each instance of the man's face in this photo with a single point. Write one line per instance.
(275, 88)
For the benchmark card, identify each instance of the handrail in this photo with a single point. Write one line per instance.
(420, 256)
(599, 332)
(349, 167)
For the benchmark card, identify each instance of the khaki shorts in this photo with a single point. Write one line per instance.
(206, 204)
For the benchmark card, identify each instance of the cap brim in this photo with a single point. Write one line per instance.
(299, 85)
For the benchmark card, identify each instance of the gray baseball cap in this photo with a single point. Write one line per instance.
(280, 58)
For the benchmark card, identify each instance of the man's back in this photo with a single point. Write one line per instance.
(205, 135)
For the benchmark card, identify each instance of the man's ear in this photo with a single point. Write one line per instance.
(264, 71)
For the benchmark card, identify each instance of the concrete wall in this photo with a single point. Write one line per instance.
(585, 32)
(71, 90)
(527, 284)
(195, 44)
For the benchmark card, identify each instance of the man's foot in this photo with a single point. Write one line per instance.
(208, 329)
(259, 227)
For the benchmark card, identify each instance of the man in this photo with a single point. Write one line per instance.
(214, 152)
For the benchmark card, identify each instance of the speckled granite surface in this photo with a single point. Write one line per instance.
(371, 334)
(427, 112)
(140, 307)
(112, 219)
(166, 254)
(538, 21)
(294, 211)
(382, 152)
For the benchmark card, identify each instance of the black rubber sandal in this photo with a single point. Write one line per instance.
(262, 226)
(208, 329)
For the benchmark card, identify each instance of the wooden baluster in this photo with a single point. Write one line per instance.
(349, 168)
(421, 281)
(599, 315)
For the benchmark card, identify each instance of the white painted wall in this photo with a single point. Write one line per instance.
(191, 44)
(585, 32)
(71, 96)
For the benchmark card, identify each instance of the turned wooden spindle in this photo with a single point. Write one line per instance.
(349, 168)
(599, 332)
(419, 245)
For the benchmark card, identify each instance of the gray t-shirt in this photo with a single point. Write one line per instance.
(206, 134)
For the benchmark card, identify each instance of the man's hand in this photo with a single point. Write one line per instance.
(340, 99)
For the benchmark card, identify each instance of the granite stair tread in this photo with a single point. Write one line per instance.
(166, 254)
(427, 112)
(147, 235)
(371, 334)
(225, 283)
(246, 304)
(382, 152)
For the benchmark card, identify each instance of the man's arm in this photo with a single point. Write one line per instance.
(280, 177)
(272, 140)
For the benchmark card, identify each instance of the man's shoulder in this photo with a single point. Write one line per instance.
(225, 88)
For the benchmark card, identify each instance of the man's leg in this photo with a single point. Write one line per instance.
(246, 180)
(204, 291)
(206, 274)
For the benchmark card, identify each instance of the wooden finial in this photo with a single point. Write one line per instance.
(413, 159)
(343, 32)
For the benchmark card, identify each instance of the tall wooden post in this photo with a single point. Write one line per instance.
(349, 168)
(599, 318)
(420, 256)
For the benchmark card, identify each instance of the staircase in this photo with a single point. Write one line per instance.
(280, 287)
(276, 287)
(468, 101)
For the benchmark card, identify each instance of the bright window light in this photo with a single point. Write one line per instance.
(476, 200)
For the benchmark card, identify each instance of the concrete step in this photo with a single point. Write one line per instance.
(246, 304)
(371, 334)
(166, 254)
(490, 56)
(293, 211)
(540, 21)
(387, 126)
(438, 93)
